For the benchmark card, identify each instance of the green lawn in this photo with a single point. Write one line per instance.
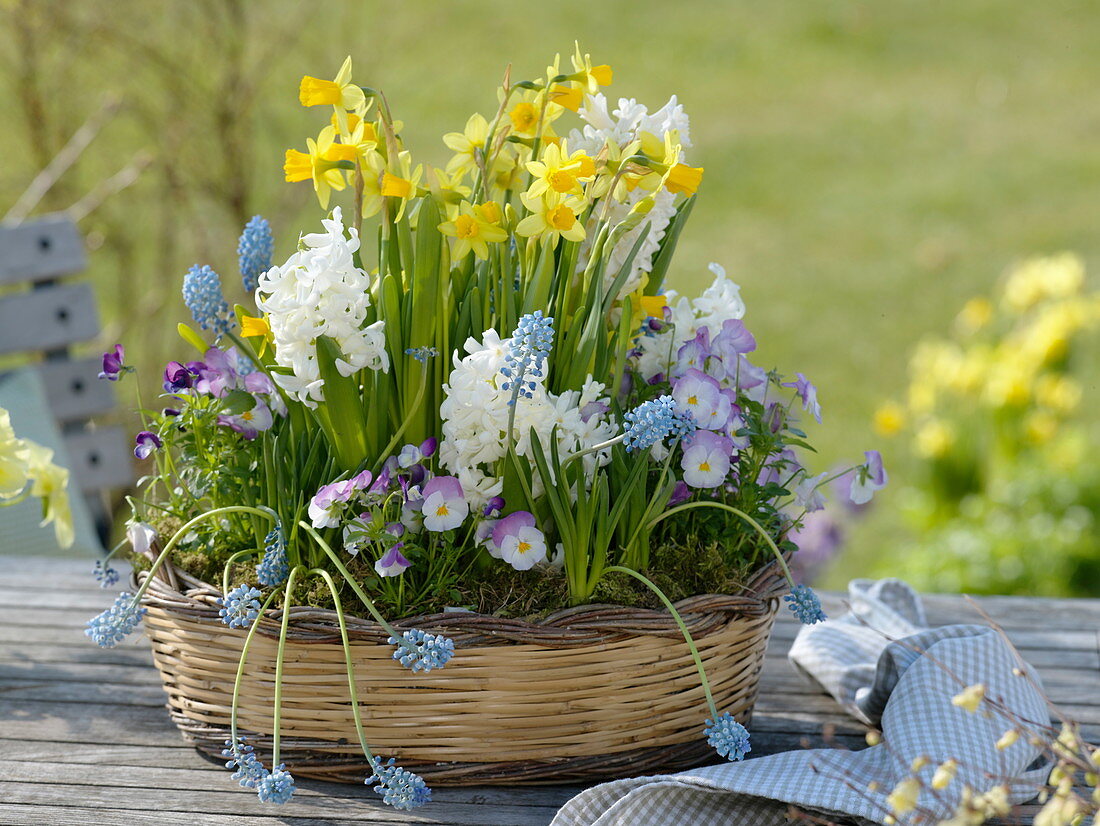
(868, 165)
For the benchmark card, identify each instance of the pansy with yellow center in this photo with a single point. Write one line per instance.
(323, 163)
(467, 144)
(472, 231)
(339, 92)
(552, 218)
(559, 172)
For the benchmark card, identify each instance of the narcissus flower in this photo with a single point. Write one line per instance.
(552, 219)
(468, 145)
(683, 179)
(472, 232)
(557, 171)
(339, 92)
(323, 163)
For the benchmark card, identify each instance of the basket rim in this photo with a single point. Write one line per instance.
(186, 597)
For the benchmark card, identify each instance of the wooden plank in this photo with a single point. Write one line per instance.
(100, 459)
(47, 319)
(74, 390)
(42, 249)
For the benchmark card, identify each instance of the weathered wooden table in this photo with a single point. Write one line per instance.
(85, 738)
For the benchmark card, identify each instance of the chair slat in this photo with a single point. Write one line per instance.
(40, 250)
(100, 459)
(74, 391)
(47, 319)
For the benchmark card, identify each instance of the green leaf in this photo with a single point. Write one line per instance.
(341, 411)
(668, 247)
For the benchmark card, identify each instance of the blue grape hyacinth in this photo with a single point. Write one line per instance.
(399, 787)
(526, 357)
(654, 421)
(274, 567)
(104, 574)
(421, 651)
(202, 293)
(805, 605)
(254, 250)
(240, 607)
(249, 770)
(728, 737)
(275, 786)
(116, 623)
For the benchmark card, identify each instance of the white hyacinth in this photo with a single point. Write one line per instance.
(475, 414)
(622, 126)
(320, 291)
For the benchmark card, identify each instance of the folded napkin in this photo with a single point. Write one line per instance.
(904, 686)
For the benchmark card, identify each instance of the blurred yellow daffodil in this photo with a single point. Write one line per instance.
(472, 231)
(552, 219)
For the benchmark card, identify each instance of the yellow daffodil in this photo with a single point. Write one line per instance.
(449, 190)
(472, 231)
(339, 92)
(590, 77)
(49, 483)
(568, 95)
(467, 144)
(321, 164)
(683, 179)
(401, 182)
(1058, 276)
(524, 114)
(969, 698)
(253, 327)
(373, 166)
(559, 172)
(646, 306)
(13, 459)
(889, 419)
(552, 218)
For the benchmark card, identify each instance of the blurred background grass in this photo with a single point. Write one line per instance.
(869, 166)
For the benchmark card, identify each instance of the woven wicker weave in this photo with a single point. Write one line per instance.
(586, 693)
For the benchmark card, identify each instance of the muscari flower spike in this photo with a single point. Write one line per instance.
(728, 737)
(422, 354)
(202, 293)
(654, 421)
(276, 786)
(104, 574)
(526, 357)
(116, 623)
(421, 651)
(273, 568)
(248, 769)
(240, 607)
(254, 251)
(805, 605)
(399, 787)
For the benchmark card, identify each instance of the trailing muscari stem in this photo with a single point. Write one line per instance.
(399, 788)
(802, 601)
(416, 649)
(117, 622)
(728, 737)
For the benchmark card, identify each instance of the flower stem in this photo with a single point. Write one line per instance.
(327, 577)
(745, 517)
(240, 665)
(683, 630)
(229, 562)
(279, 657)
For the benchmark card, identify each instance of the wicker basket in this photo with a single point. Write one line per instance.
(586, 693)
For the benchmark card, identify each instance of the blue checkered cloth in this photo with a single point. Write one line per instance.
(885, 666)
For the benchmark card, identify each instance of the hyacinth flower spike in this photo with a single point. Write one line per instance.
(399, 787)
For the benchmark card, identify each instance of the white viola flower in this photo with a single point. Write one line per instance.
(319, 291)
(520, 543)
(141, 537)
(807, 493)
(706, 459)
(445, 506)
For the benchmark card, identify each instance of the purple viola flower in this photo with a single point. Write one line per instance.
(518, 541)
(483, 535)
(177, 378)
(680, 494)
(701, 395)
(706, 459)
(428, 447)
(327, 505)
(113, 364)
(395, 529)
(445, 506)
(734, 340)
(736, 423)
(145, 443)
(747, 376)
(807, 493)
(412, 507)
(250, 422)
(217, 374)
(494, 506)
(869, 477)
(693, 354)
(819, 539)
(393, 563)
(808, 393)
(779, 468)
(593, 408)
